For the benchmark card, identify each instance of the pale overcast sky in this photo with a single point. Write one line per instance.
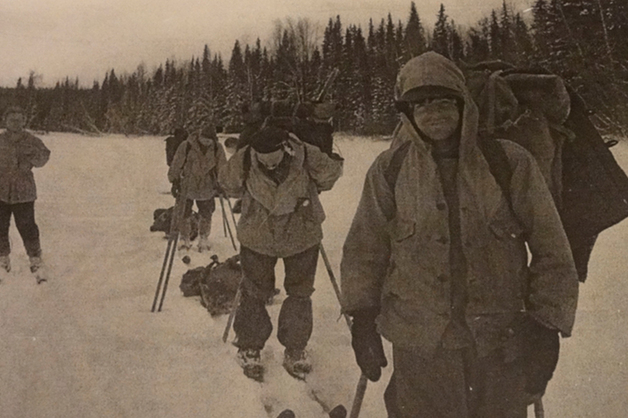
(85, 38)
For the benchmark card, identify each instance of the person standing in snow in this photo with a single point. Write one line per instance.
(194, 170)
(19, 153)
(172, 143)
(436, 262)
(278, 178)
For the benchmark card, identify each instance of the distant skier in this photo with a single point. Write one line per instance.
(194, 170)
(172, 143)
(19, 153)
(436, 260)
(279, 178)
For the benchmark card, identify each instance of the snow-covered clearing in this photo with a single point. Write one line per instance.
(86, 344)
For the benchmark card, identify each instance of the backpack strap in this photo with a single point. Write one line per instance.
(394, 166)
(498, 164)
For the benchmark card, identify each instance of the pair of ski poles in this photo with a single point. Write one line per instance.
(178, 214)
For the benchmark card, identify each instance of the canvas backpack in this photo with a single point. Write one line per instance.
(219, 285)
(537, 110)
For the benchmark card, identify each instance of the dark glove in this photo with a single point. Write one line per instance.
(367, 344)
(541, 350)
(176, 188)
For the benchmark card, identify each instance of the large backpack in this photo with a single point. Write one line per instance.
(537, 110)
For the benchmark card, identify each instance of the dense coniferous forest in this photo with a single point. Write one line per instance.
(584, 41)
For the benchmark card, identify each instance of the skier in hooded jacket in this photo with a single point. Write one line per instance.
(194, 171)
(19, 153)
(279, 178)
(436, 262)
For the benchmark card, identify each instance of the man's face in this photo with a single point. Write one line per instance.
(437, 117)
(15, 122)
(272, 159)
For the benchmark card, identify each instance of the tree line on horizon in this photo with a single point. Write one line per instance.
(584, 41)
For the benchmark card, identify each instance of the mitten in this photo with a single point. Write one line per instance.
(541, 348)
(367, 344)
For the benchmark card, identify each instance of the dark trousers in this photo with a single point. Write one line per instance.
(205, 208)
(455, 384)
(252, 324)
(24, 214)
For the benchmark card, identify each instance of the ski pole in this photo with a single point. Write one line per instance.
(236, 302)
(231, 210)
(178, 212)
(334, 282)
(359, 397)
(167, 279)
(161, 275)
(539, 411)
(225, 222)
(362, 383)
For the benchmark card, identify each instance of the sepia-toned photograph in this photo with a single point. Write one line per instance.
(313, 209)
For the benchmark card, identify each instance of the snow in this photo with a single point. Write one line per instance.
(86, 344)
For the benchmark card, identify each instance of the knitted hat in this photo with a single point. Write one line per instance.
(269, 139)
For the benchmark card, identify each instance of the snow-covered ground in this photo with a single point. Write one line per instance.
(86, 344)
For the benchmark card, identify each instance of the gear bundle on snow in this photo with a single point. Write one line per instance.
(162, 218)
(216, 284)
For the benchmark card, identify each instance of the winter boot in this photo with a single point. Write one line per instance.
(37, 268)
(204, 228)
(296, 363)
(184, 235)
(251, 363)
(5, 263)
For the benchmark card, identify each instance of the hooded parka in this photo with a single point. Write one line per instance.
(19, 153)
(396, 255)
(198, 168)
(283, 219)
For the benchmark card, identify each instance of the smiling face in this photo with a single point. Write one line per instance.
(437, 117)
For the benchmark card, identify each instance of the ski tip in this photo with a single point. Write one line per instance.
(287, 413)
(338, 412)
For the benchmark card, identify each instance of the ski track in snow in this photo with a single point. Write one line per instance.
(86, 345)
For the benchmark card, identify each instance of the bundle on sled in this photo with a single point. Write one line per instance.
(216, 284)
(163, 217)
(539, 111)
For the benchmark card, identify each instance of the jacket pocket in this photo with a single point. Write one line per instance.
(402, 229)
(504, 225)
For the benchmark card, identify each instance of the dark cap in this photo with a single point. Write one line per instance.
(269, 139)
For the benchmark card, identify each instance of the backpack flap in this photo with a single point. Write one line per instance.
(595, 188)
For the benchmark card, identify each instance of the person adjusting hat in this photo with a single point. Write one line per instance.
(279, 178)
